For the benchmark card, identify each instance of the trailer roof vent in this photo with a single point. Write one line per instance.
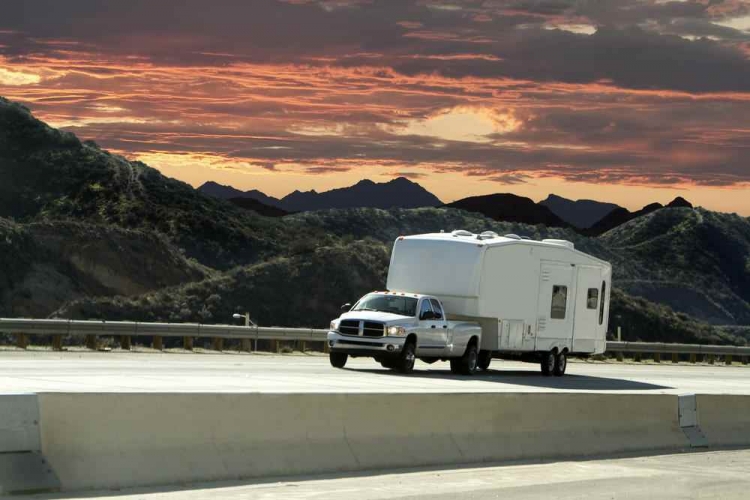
(461, 232)
(488, 235)
(564, 243)
(513, 236)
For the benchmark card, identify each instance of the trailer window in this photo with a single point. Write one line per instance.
(559, 301)
(601, 304)
(592, 301)
(437, 309)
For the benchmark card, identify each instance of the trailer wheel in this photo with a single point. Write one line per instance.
(561, 362)
(338, 359)
(405, 363)
(485, 357)
(548, 363)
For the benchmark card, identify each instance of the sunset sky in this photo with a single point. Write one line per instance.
(629, 101)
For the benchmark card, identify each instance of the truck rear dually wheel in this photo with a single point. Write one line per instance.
(466, 364)
(548, 363)
(338, 359)
(485, 357)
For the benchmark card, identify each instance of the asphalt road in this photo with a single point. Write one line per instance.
(720, 475)
(73, 371)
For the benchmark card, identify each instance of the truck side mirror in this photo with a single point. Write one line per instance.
(346, 306)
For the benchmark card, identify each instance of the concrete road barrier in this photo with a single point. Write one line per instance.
(724, 419)
(23, 469)
(123, 440)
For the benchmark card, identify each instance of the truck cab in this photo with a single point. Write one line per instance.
(396, 328)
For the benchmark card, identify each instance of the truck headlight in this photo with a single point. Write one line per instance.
(334, 325)
(396, 330)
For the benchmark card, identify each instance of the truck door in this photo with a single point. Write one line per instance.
(431, 341)
(440, 327)
(586, 321)
(555, 306)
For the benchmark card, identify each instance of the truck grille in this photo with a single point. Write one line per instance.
(372, 329)
(349, 327)
(369, 328)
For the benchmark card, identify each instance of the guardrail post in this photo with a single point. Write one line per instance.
(187, 343)
(157, 343)
(326, 347)
(217, 344)
(22, 341)
(620, 356)
(693, 357)
(246, 345)
(744, 360)
(657, 357)
(91, 342)
(125, 342)
(303, 346)
(675, 357)
(711, 359)
(57, 342)
(728, 359)
(275, 346)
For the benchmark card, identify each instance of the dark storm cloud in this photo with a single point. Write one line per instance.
(271, 31)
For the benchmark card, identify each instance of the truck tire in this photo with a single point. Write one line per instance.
(338, 359)
(387, 363)
(468, 362)
(548, 363)
(456, 366)
(561, 362)
(405, 362)
(485, 358)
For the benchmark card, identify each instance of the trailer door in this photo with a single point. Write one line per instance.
(555, 307)
(588, 293)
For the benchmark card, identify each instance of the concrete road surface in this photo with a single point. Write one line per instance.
(720, 475)
(216, 372)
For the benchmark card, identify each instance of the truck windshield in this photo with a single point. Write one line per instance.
(405, 306)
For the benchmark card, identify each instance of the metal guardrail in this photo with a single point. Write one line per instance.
(663, 348)
(137, 329)
(127, 329)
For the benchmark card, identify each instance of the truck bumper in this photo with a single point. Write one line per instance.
(365, 346)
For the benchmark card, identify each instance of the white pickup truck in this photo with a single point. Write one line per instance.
(397, 328)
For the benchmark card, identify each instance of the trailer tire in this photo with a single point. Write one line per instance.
(405, 362)
(561, 362)
(485, 358)
(548, 363)
(338, 359)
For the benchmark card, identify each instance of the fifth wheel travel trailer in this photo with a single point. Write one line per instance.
(538, 301)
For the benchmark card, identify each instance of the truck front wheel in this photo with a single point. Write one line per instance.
(338, 359)
(405, 363)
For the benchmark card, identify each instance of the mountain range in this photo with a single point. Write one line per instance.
(86, 234)
(587, 217)
(399, 192)
(580, 214)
